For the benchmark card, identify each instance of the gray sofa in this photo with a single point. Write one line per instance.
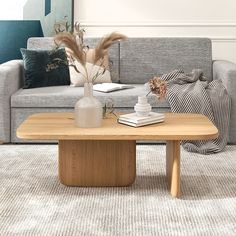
(134, 61)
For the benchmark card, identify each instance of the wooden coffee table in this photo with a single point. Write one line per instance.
(106, 156)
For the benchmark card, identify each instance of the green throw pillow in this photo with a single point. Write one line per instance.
(45, 68)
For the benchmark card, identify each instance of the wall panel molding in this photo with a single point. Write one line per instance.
(222, 34)
(159, 24)
(217, 31)
(136, 18)
(223, 39)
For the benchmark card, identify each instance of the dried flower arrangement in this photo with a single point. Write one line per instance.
(109, 108)
(77, 50)
(157, 87)
(62, 26)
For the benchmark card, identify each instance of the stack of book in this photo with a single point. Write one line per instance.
(136, 121)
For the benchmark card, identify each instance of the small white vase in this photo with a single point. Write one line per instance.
(142, 108)
(88, 110)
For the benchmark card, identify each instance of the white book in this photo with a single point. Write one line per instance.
(140, 124)
(109, 87)
(133, 118)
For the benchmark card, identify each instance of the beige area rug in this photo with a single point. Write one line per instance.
(33, 202)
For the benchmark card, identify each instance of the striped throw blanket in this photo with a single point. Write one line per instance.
(191, 93)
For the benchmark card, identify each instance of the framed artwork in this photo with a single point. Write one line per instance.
(31, 18)
(54, 15)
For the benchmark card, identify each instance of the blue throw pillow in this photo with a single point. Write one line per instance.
(45, 68)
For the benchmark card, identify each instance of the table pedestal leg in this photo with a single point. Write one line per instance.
(97, 163)
(173, 167)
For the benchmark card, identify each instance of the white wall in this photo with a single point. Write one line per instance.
(12, 9)
(215, 19)
(35, 10)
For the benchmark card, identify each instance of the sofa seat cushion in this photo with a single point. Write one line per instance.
(67, 96)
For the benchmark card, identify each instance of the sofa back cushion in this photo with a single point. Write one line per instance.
(48, 43)
(143, 58)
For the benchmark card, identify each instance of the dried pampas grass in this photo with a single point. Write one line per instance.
(76, 50)
(102, 47)
(69, 40)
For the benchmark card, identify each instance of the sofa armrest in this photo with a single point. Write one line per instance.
(226, 72)
(11, 79)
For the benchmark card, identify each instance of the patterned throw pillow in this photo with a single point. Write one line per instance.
(45, 68)
(78, 79)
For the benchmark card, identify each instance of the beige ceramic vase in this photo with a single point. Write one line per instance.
(88, 110)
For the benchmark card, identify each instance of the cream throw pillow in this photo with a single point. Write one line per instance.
(78, 80)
